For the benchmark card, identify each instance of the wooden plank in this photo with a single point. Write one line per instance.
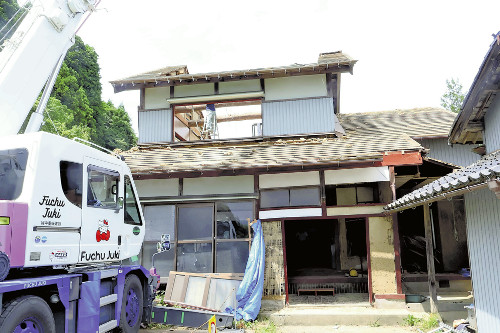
(205, 291)
(170, 285)
(431, 271)
(402, 158)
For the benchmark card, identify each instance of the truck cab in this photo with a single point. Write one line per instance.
(65, 203)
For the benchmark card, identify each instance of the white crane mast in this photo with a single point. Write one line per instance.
(32, 54)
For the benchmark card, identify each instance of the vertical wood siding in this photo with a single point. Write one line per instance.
(460, 155)
(314, 115)
(483, 233)
(492, 127)
(155, 126)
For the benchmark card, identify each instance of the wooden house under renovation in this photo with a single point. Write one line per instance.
(217, 149)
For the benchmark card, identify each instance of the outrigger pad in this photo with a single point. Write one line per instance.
(4, 266)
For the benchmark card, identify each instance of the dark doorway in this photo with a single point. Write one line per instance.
(310, 247)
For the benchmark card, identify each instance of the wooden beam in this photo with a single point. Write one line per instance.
(201, 107)
(402, 158)
(227, 118)
(431, 270)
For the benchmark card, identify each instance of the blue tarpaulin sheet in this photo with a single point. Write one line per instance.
(249, 294)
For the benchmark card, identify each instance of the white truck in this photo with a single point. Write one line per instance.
(71, 226)
(69, 214)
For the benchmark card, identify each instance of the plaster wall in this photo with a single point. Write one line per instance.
(232, 87)
(157, 187)
(190, 90)
(156, 98)
(383, 267)
(289, 179)
(292, 87)
(218, 185)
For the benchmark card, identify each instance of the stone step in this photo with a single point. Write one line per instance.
(337, 316)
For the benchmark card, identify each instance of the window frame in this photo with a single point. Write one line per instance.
(141, 222)
(107, 172)
(333, 189)
(214, 240)
(289, 189)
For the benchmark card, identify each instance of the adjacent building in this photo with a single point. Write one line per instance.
(477, 122)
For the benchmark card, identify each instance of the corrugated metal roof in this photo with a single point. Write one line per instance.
(335, 62)
(485, 169)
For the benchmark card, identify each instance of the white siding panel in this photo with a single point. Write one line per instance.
(295, 87)
(492, 126)
(357, 175)
(289, 179)
(483, 233)
(460, 155)
(155, 126)
(218, 185)
(314, 115)
(283, 213)
(156, 98)
(232, 87)
(157, 187)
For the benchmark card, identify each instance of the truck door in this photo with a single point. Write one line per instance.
(102, 214)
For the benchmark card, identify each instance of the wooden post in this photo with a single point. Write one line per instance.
(431, 271)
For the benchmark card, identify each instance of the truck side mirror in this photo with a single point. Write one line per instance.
(119, 203)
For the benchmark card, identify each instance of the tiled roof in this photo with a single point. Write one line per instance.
(417, 123)
(335, 62)
(264, 153)
(485, 169)
(368, 136)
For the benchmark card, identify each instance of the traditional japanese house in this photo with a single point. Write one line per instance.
(273, 145)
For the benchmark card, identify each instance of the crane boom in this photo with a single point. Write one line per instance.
(30, 56)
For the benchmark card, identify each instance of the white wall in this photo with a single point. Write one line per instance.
(156, 98)
(194, 90)
(157, 187)
(357, 175)
(289, 179)
(295, 87)
(218, 185)
(239, 86)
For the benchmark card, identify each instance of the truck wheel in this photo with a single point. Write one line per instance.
(27, 314)
(131, 314)
(4, 266)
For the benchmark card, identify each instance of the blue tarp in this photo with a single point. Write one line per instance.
(249, 294)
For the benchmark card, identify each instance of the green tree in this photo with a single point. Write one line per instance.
(453, 98)
(114, 123)
(58, 119)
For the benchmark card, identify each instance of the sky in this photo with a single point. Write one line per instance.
(406, 50)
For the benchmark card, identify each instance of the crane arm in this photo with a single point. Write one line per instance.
(31, 55)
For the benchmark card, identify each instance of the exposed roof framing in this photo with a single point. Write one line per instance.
(463, 180)
(469, 125)
(335, 62)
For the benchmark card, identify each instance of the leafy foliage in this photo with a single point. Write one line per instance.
(78, 90)
(453, 98)
(75, 108)
(10, 17)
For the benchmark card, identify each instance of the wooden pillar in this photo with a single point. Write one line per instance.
(395, 228)
(431, 271)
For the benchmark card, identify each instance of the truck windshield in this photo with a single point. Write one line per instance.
(12, 170)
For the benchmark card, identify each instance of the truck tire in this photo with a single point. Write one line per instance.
(132, 302)
(27, 314)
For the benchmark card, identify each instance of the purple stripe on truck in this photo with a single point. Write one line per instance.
(13, 236)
